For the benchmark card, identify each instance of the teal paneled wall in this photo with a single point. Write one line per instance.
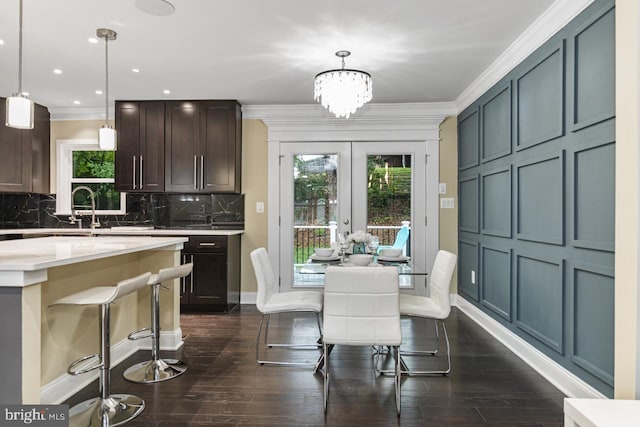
(536, 189)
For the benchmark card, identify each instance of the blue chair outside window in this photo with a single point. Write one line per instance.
(401, 240)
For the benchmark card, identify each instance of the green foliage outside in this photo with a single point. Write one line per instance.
(95, 164)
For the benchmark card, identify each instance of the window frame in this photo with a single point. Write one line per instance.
(64, 177)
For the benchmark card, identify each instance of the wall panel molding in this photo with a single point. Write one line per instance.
(540, 199)
(594, 70)
(496, 125)
(495, 202)
(540, 293)
(468, 263)
(496, 280)
(468, 135)
(469, 204)
(539, 93)
(592, 330)
(594, 197)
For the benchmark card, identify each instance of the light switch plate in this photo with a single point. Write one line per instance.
(260, 207)
(447, 203)
(442, 188)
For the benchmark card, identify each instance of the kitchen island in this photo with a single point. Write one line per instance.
(38, 341)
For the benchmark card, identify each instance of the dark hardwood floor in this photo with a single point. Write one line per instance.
(488, 385)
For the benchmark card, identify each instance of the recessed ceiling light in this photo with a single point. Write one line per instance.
(1, 42)
(57, 71)
(98, 92)
(166, 91)
(135, 70)
(76, 102)
(156, 7)
(93, 40)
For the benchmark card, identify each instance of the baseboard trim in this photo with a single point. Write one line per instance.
(248, 297)
(65, 386)
(565, 381)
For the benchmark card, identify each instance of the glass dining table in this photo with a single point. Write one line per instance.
(311, 273)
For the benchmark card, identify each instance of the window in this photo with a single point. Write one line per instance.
(81, 163)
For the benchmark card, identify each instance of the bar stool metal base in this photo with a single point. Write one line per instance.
(118, 408)
(154, 371)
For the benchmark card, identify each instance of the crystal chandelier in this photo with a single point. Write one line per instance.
(343, 91)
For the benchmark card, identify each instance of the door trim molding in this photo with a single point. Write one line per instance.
(312, 123)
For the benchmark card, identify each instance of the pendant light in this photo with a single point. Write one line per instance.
(343, 91)
(107, 134)
(19, 107)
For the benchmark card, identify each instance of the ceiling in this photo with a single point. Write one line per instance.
(256, 51)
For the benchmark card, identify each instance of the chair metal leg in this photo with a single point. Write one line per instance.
(156, 369)
(325, 376)
(108, 409)
(286, 345)
(433, 372)
(398, 377)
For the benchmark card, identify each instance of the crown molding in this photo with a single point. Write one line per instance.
(312, 122)
(556, 17)
(369, 112)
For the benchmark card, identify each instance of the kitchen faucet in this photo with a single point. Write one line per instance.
(72, 218)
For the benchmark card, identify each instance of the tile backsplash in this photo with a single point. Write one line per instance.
(162, 210)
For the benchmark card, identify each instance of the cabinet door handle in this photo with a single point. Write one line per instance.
(193, 275)
(207, 244)
(202, 172)
(183, 279)
(141, 172)
(195, 172)
(134, 172)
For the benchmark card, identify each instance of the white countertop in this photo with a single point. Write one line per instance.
(28, 255)
(119, 231)
(601, 412)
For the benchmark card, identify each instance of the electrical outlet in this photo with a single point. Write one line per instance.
(473, 277)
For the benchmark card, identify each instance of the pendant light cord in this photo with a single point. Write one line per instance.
(106, 73)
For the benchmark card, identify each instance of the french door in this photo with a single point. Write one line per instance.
(328, 188)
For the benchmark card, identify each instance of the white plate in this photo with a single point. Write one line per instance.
(315, 257)
(393, 258)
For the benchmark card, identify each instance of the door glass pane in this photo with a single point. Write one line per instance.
(389, 200)
(315, 187)
(315, 202)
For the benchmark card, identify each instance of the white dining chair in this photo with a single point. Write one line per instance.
(436, 307)
(269, 301)
(361, 308)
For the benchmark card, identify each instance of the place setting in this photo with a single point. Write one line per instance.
(392, 256)
(325, 255)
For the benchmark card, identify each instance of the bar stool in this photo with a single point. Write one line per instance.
(108, 409)
(156, 369)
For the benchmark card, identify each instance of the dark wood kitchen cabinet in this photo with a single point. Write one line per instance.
(140, 153)
(214, 283)
(24, 154)
(203, 146)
